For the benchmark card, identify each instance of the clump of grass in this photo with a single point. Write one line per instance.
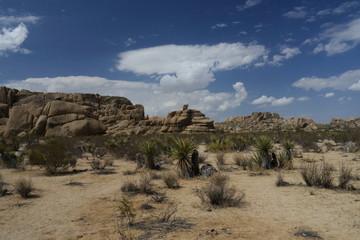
(315, 175)
(143, 185)
(171, 180)
(159, 197)
(280, 180)
(24, 187)
(306, 232)
(130, 186)
(220, 158)
(242, 161)
(168, 212)
(202, 157)
(218, 192)
(344, 177)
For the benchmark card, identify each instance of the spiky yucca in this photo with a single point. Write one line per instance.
(150, 151)
(264, 146)
(182, 151)
(288, 146)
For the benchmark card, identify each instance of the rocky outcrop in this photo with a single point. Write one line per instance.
(266, 121)
(344, 124)
(77, 114)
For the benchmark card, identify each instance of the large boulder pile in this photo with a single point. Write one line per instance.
(266, 121)
(345, 124)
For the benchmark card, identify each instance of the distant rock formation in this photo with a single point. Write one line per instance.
(343, 124)
(77, 114)
(266, 121)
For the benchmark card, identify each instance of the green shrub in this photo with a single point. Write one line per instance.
(54, 156)
(182, 150)
(127, 210)
(150, 151)
(264, 146)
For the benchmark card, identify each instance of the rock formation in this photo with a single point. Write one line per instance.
(76, 114)
(265, 121)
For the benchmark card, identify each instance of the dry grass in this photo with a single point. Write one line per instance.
(171, 180)
(280, 180)
(220, 158)
(24, 187)
(344, 177)
(243, 161)
(317, 175)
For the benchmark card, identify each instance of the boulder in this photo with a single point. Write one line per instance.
(20, 119)
(58, 107)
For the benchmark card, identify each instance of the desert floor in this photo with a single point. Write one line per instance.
(83, 205)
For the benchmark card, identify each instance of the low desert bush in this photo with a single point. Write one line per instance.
(129, 186)
(159, 197)
(171, 180)
(280, 180)
(143, 185)
(306, 232)
(317, 175)
(54, 155)
(202, 157)
(243, 161)
(127, 210)
(217, 192)
(167, 213)
(24, 187)
(345, 176)
(220, 158)
(3, 190)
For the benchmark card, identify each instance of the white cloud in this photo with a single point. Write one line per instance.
(12, 38)
(189, 67)
(248, 4)
(286, 53)
(273, 101)
(329, 95)
(155, 101)
(9, 20)
(303, 99)
(129, 42)
(343, 99)
(219, 25)
(298, 12)
(339, 38)
(342, 8)
(348, 80)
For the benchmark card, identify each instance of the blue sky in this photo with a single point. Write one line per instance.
(299, 58)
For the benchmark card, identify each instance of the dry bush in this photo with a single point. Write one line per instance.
(168, 212)
(218, 193)
(243, 161)
(220, 158)
(159, 197)
(130, 186)
(127, 210)
(315, 175)
(171, 180)
(280, 180)
(3, 191)
(345, 176)
(24, 187)
(145, 186)
(202, 157)
(306, 232)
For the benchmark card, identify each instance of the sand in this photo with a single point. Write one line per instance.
(84, 205)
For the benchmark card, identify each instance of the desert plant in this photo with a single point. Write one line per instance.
(145, 186)
(288, 146)
(345, 176)
(171, 180)
(7, 157)
(218, 193)
(280, 180)
(127, 211)
(129, 186)
(263, 147)
(54, 155)
(168, 212)
(159, 197)
(257, 159)
(305, 231)
(220, 158)
(242, 161)
(182, 151)
(315, 175)
(24, 187)
(3, 191)
(150, 151)
(202, 157)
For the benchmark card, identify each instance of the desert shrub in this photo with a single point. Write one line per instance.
(220, 158)
(171, 180)
(54, 155)
(129, 186)
(7, 157)
(3, 191)
(145, 184)
(315, 175)
(280, 180)
(257, 159)
(24, 187)
(345, 176)
(218, 193)
(243, 161)
(202, 157)
(167, 213)
(182, 150)
(306, 232)
(158, 197)
(127, 210)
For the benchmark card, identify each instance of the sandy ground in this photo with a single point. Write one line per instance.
(83, 205)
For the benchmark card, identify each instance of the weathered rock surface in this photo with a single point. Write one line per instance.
(266, 121)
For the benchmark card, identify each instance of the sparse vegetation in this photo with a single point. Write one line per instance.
(3, 191)
(243, 161)
(306, 232)
(168, 212)
(143, 185)
(317, 175)
(280, 180)
(345, 176)
(220, 158)
(171, 180)
(263, 147)
(127, 210)
(182, 151)
(150, 151)
(24, 187)
(217, 192)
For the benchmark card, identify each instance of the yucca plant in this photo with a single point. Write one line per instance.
(264, 146)
(288, 146)
(150, 151)
(182, 150)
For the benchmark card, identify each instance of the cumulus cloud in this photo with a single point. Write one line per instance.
(329, 95)
(273, 101)
(342, 8)
(286, 53)
(155, 101)
(12, 38)
(248, 4)
(10, 20)
(189, 67)
(339, 38)
(298, 12)
(346, 81)
(303, 99)
(219, 25)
